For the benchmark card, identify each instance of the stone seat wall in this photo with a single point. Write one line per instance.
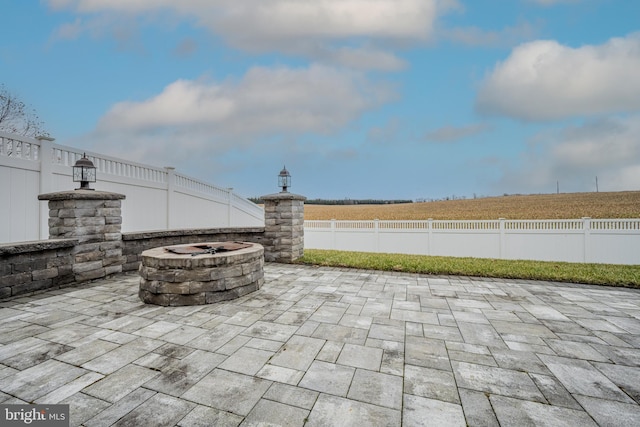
(33, 266)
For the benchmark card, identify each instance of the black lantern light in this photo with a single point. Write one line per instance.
(284, 179)
(84, 172)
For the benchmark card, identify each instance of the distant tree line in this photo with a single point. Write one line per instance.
(259, 201)
(356, 202)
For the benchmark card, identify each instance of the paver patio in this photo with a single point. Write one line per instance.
(331, 347)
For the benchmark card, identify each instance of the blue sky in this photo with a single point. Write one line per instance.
(391, 99)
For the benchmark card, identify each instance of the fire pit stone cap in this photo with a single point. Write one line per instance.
(159, 257)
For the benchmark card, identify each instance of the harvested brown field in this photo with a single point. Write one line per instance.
(625, 204)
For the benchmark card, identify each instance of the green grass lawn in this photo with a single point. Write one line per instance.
(598, 274)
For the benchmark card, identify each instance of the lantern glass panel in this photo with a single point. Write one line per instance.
(284, 180)
(90, 174)
(84, 173)
(77, 174)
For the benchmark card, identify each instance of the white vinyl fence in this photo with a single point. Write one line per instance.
(612, 241)
(156, 198)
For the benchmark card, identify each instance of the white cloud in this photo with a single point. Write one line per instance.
(214, 117)
(453, 133)
(314, 99)
(279, 20)
(574, 156)
(332, 29)
(544, 80)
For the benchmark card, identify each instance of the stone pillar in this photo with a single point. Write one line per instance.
(94, 218)
(284, 227)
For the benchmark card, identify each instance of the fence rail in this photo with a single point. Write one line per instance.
(614, 241)
(157, 198)
(19, 147)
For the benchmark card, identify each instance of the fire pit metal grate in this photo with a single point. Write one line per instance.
(202, 249)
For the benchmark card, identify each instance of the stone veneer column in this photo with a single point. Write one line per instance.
(95, 219)
(284, 227)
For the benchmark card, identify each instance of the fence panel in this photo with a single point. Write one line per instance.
(19, 178)
(614, 240)
(544, 240)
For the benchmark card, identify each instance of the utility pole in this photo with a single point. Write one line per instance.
(596, 183)
(557, 187)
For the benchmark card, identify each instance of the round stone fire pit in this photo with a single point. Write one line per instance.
(200, 273)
